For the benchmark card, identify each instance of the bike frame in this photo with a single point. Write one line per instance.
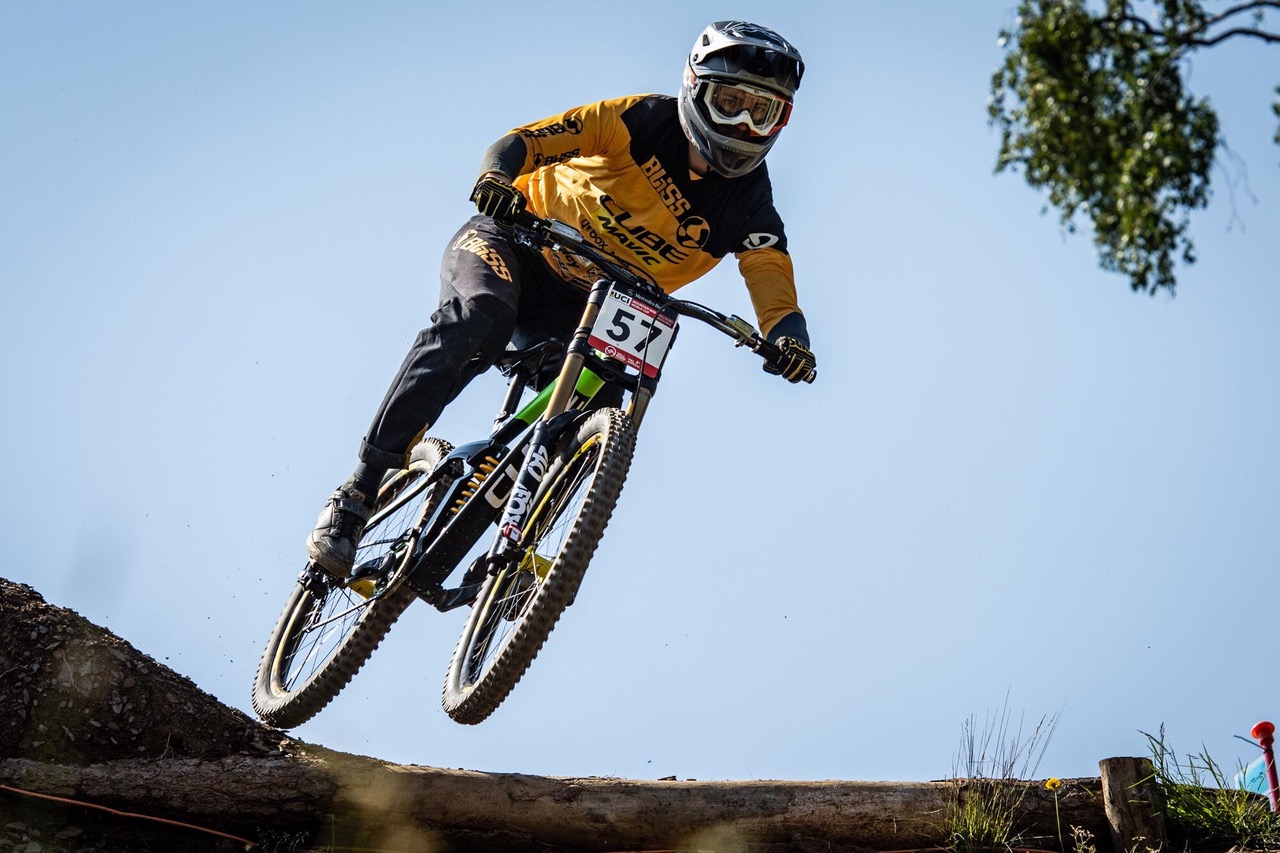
(496, 478)
(511, 462)
(498, 491)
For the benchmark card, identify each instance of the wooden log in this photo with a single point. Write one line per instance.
(241, 793)
(1133, 803)
(356, 801)
(85, 716)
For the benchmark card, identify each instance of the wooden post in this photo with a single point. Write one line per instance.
(1133, 803)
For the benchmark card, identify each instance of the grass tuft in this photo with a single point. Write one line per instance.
(1204, 809)
(986, 794)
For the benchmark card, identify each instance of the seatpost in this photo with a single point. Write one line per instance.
(515, 390)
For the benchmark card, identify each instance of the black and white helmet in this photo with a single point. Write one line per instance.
(737, 92)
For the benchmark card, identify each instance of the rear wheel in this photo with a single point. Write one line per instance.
(518, 606)
(329, 628)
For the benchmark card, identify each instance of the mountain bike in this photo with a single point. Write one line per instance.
(523, 508)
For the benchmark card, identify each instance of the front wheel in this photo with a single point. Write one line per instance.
(329, 628)
(518, 606)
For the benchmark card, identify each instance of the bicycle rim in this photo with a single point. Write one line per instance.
(517, 608)
(328, 628)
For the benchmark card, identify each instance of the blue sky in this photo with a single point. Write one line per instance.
(1014, 478)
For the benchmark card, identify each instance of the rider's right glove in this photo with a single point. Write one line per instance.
(795, 361)
(494, 196)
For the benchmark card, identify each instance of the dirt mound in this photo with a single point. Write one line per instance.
(104, 750)
(74, 693)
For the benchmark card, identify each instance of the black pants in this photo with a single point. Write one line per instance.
(491, 292)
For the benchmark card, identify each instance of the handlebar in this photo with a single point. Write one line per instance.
(536, 232)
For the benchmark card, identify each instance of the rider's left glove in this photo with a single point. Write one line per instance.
(494, 196)
(795, 361)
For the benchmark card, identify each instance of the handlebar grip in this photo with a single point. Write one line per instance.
(524, 218)
(771, 352)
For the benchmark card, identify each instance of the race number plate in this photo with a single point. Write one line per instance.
(630, 329)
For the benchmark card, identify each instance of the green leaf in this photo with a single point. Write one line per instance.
(1093, 110)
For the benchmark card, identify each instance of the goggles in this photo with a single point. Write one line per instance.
(731, 104)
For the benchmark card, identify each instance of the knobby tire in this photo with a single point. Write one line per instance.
(326, 631)
(517, 608)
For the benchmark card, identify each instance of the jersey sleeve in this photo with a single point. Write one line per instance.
(593, 130)
(771, 283)
(769, 274)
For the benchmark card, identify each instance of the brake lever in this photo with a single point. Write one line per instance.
(744, 334)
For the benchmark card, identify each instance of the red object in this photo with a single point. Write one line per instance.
(1265, 734)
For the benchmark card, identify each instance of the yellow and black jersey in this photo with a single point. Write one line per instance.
(618, 171)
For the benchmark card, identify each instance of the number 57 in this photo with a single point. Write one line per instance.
(621, 329)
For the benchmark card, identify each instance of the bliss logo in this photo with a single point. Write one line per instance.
(666, 187)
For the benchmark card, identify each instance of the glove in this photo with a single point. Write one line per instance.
(494, 196)
(795, 360)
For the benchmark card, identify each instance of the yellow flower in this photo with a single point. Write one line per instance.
(1053, 784)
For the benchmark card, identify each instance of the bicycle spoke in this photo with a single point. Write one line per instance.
(330, 627)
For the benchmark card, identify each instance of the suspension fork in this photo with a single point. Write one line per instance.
(577, 353)
(546, 431)
(646, 386)
(640, 398)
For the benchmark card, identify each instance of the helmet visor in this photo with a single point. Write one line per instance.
(745, 111)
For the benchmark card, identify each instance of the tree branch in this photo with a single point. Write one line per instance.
(1190, 38)
(1243, 7)
(1272, 38)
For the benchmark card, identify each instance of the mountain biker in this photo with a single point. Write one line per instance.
(668, 185)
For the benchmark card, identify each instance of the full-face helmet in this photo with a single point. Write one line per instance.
(736, 94)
